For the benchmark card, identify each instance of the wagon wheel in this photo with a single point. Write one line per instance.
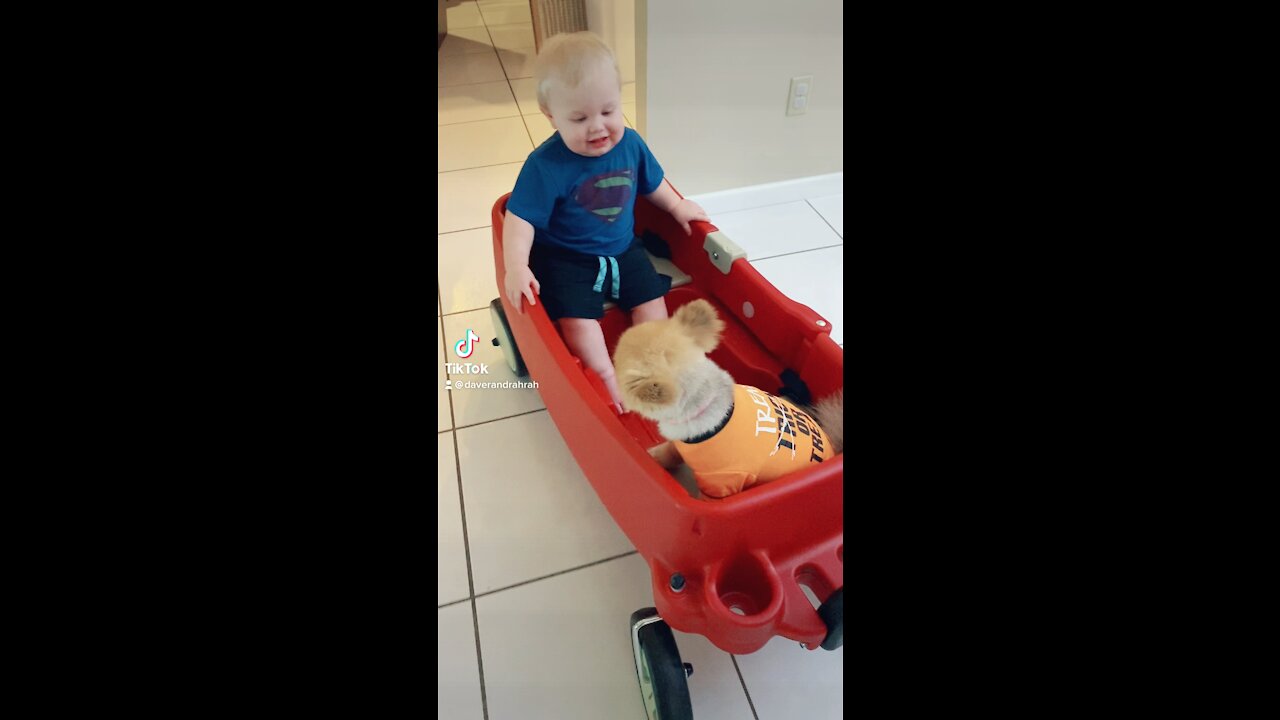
(505, 340)
(664, 684)
(832, 614)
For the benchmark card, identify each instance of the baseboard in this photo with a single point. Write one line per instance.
(785, 191)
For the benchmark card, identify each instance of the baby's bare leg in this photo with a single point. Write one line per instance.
(666, 455)
(655, 309)
(585, 339)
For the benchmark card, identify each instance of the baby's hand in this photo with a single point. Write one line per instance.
(686, 211)
(520, 281)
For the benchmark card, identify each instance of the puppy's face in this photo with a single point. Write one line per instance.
(662, 367)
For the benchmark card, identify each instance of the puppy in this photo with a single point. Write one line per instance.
(732, 436)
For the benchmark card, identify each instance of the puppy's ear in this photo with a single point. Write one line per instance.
(700, 322)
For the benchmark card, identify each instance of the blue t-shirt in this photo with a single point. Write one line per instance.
(581, 203)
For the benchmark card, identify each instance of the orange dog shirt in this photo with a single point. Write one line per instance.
(765, 438)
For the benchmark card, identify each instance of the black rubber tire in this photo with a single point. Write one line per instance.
(832, 614)
(669, 684)
(505, 340)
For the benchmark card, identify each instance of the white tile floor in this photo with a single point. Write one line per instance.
(536, 583)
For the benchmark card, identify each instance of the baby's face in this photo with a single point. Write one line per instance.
(589, 117)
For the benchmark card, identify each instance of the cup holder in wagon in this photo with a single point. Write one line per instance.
(746, 586)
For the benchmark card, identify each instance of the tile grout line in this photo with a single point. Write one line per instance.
(450, 232)
(753, 261)
(753, 207)
(451, 603)
(747, 692)
(556, 574)
(507, 76)
(494, 420)
(505, 417)
(471, 583)
(444, 338)
(513, 91)
(464, 122)
(475, 623)
(477, 167)
(464, 54)
(487, 26)
(524, 122)
(824, 217)
(460, 312)
(462, 508)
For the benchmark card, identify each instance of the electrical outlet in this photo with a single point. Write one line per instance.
(798, 98)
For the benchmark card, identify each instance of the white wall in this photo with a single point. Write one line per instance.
(615, 21)
(712, 82)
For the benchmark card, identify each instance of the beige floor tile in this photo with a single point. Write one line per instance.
(507, 13)
(814, 278)
(558, 649)
(831, 208)
(629, 92)
(521, 482)
(465, 198)
(461, 41)
(468, 69)
(482, 101)
(473, 405)
(539, 127)
(787, 681)
(526, 92)
(467, 279)
(512, 37)
(518, 63)
(777, 229)
(480, 143)
(451, 553)
(464, 15)
(458, 672)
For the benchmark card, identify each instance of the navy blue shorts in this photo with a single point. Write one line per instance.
(576, 285)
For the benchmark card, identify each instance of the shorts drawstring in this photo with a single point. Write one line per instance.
(617, 282)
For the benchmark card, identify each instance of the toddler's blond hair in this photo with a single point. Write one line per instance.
(567, 58)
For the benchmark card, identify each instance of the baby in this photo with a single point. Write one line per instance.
(568, 236)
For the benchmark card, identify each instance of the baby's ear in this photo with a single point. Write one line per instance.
(699, 320)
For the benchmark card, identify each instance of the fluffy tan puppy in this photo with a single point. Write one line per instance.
(732, 436)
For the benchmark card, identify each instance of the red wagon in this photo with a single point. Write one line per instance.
(733, 570)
